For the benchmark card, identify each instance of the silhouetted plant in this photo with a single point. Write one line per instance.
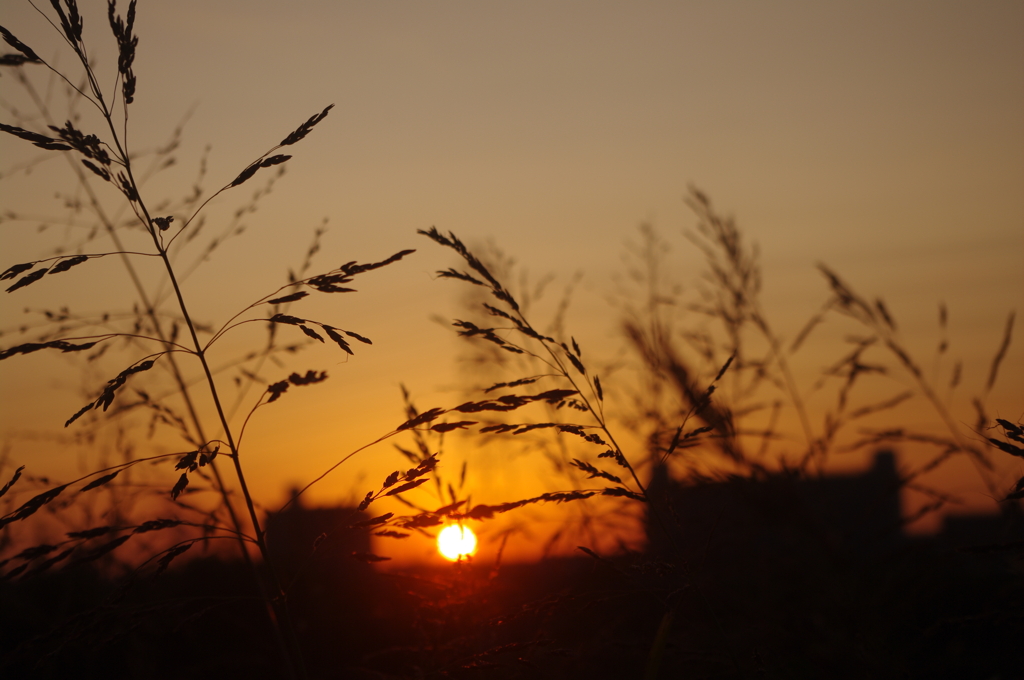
(675, 411)
(681, 411)
(675, 348)
(108, 157)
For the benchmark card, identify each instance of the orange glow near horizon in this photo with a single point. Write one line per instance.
(828, 135)
(456, 541)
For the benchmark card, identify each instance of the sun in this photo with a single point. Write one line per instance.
(456, 541)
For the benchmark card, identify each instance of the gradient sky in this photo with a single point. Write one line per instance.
(885, 139)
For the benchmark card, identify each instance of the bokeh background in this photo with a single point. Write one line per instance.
(883, 139)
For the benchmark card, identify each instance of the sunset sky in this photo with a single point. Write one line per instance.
(884, 139)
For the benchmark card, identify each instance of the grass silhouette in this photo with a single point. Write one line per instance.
(111, 161)
(695, 393)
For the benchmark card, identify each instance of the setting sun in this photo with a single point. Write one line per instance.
(456, 541)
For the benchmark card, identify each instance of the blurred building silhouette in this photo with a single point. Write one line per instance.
(777, 514)
(983, 530)
(813, 570)
(302, 538)
(780, 514)
(330, 594)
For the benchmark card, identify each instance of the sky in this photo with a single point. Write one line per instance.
(881, 138)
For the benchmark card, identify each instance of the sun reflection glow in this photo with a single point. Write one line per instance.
(456, 541)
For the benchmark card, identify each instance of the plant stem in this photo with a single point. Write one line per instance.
(148, 308)
(275, 598)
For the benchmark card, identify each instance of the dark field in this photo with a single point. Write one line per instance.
(773, 578)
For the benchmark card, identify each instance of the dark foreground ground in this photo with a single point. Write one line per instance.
(921, 613)
(749, 591)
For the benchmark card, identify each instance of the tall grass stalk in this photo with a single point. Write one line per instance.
(579, 390)
(108, 157)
